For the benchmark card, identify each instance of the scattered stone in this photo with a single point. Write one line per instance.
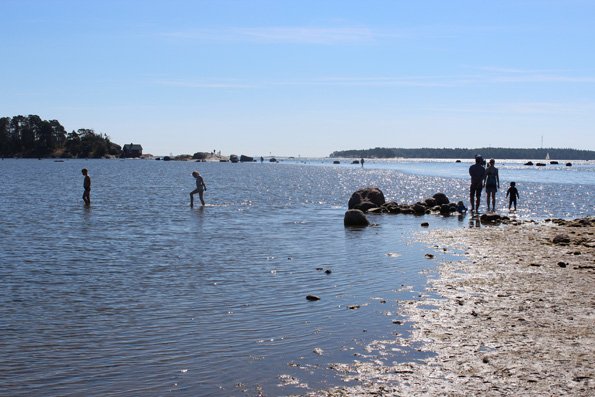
(561, 239)
(441, 198)
(429, 256)
(562, 264)
(312, 297)
(353, 307)
(425, 224)
(328, 271)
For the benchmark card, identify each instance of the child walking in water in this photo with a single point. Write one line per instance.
(87, 187)
(512, 195)
(200, 188)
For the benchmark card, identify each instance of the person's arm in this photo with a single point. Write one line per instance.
(497, 178)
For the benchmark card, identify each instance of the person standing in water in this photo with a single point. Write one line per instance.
(87, 187)
(200, 188)
(477, 173)
(492, 184)
(512, 195)
(362, 162)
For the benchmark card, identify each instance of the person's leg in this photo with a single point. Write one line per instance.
(477, 199)
(200, 193)
(472, 198)
(191, 199)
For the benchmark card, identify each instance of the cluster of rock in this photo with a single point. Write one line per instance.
(372, 200)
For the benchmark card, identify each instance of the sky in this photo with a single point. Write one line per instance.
(304, 78)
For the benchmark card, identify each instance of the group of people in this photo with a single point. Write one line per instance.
(480, 177)
(201, 187)
(488, 177)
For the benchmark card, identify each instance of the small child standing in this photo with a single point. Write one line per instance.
(512, 195)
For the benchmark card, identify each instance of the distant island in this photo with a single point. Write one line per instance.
(459, 153)
(30, 136)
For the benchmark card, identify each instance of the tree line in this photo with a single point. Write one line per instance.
(30, 136)
(460, 153)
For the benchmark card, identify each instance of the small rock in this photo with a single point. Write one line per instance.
(561, 239)
(354, 307)
(429, 256)
(485, 360)
(313, 298)
(328, 271)
(562, 264)
(425, 224)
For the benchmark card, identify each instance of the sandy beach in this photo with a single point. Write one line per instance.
(515, 316)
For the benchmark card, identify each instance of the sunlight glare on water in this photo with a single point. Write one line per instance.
(141, 295)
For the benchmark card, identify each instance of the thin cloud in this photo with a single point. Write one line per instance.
(205, 84)
(276, 35)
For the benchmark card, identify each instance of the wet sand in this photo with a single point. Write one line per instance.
(514, 317)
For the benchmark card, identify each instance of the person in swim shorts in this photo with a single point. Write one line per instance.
(87, 187)
(200, 188)
(477, 173)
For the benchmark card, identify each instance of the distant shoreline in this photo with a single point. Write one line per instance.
(461, 153)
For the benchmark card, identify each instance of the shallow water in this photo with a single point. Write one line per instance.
(141, 295)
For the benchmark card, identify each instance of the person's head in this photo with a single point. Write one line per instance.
(512, 184)
(195, 174)
(84, 171)
(478, 159)
(492, 162)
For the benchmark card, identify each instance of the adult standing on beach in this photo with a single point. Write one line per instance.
(492, 184)
(477, 173)
(200, 188)
(362, 162)
(87, 187)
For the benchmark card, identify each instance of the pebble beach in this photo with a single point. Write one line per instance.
(514, 316)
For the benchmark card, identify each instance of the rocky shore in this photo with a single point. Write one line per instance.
(514, 317)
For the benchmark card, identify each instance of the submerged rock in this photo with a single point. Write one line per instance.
(355, 218)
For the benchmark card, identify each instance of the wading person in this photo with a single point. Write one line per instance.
(86, 186)
(200, 188)
(492, 184)
(513, 195)
(477, 173)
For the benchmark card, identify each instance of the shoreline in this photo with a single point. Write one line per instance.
(514, 316)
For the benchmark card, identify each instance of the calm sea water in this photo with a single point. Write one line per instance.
(140, 295)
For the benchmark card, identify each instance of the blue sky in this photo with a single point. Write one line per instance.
(300, 77)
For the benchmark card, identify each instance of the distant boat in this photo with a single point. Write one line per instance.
(540, 164)
(336, 162)
(553, 162)
(234, 158)
(547, 156)
(529, 163)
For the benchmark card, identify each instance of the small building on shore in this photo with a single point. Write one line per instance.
(132, 150)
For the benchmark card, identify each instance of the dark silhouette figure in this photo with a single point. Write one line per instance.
(492, 184)
(362, 162)
(87, 187)
(477, 173)
(200, 188)
(513, 194)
